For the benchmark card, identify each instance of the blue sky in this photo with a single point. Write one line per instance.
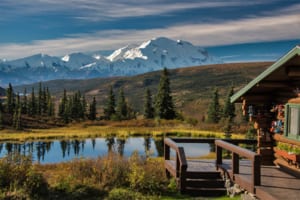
(58, 27)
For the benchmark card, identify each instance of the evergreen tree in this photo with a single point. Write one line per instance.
(148, 107)
(45, 100)
(131, 114)
(121, 110)
(50, 107)
(40, 100)
(229, 109)
(84, 106)
(18, 102)
(1, 120)
(109, 109)
(63, 104)
(1, 106)
(10, 101)
(93, 111)
(213, 113)
(14, 121)
(67, 111)
(164, 106)
(24, 103)
(33, 104)
(18, 119)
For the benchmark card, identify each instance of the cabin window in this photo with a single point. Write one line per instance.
(292, 121)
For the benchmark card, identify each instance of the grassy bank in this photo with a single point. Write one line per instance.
(110, 177)
(124, 129)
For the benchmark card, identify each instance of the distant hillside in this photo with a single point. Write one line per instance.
(191, 87)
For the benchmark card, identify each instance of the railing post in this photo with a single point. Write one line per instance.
(235, 163)
(182, 169)
(166, 151)
(219, 156)
(256, 171)
(177, 165)
(167, 157)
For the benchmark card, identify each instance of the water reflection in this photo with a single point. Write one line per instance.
(65, 150)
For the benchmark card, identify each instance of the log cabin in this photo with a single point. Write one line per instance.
(272, 103)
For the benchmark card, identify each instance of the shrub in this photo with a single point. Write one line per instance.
(18, 178)
(146, 176)
(120, 194)
(35, 184)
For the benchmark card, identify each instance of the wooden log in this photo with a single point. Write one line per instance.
(257, 99)
(293, 72)
(273, 84)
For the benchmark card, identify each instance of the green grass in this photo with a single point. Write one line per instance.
(180, 196)
(82, 130)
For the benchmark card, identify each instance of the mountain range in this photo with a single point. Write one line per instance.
(151, 55)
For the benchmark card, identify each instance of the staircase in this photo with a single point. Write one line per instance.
(205, 183)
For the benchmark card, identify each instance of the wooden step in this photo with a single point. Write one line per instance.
(205, 192)
(205, 183)
(203, 175)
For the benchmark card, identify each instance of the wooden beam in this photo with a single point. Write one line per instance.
(256, 98)
(273, 84)
(293, 72)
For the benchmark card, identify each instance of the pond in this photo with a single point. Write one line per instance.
(65, 150)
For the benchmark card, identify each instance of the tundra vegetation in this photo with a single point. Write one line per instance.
(40, 115)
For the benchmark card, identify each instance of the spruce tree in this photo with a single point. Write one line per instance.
(50, 107)
(93, 111)
(10, 101)
(40, 100)
(63, 104)
(109, 109)
(213, 113)
(1, 106)
(24, 103)
(229, 109)
(33, 104)
(45, 100)
(121, 109)
(148, 107)
(1, 120)
(84, 106)
(18, 119)
(164, 106)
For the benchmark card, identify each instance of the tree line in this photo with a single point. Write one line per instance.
(74, 107)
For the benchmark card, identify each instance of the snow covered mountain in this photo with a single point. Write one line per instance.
(151, 55)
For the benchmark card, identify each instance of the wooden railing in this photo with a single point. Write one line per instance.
(180, 172)
(238, 152)
(181, 163)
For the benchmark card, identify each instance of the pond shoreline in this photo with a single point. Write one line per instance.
(82, 131)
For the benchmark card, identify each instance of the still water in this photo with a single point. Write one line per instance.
(65, 150)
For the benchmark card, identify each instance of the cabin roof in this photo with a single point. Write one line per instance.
(283, 75)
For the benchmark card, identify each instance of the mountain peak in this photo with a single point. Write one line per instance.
(151, 55)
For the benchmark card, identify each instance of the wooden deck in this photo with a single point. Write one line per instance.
(273, 183)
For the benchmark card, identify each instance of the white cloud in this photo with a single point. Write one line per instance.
(281, 27)
(103, 10)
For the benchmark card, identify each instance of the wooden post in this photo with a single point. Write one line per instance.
(256, 171)
(166, 152)
(167, 157)
(235, 163)
(177, 165)
(219, 156)
(182, 169)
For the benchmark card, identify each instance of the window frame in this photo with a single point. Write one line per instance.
(287, 121)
